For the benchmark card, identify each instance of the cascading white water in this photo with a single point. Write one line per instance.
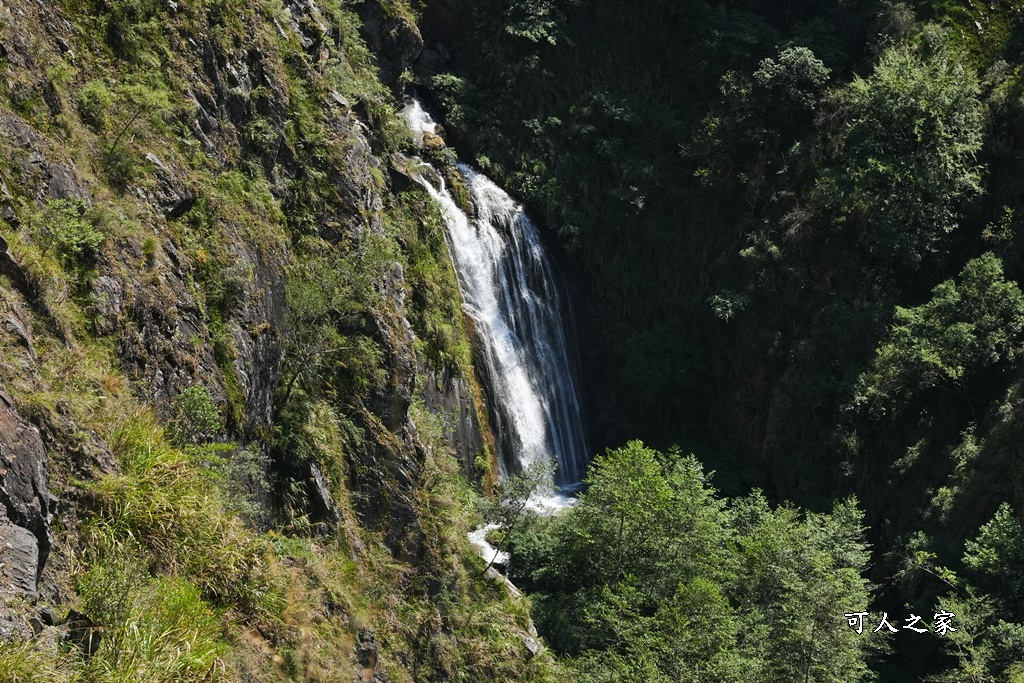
(510, 290)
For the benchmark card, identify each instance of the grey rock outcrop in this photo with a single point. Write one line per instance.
(325, 510)
(529, 642)
(430, 63)
(25, 503)
(395, 39)
(19, 557)
(448, 395)
(63, 184)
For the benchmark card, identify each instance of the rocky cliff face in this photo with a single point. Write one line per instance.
(165, 170)
(24, 493)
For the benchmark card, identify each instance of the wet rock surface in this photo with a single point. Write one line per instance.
(448, 395)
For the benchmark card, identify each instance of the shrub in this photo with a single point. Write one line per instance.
(149, 250)
(262, 136)
(194, 418)
(95, 102)
(66, 228)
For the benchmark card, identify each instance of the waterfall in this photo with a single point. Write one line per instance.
(511, 291)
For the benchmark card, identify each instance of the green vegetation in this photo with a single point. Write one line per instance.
(795, 231)
(949, 341)
(287, 508)
(652, 576)
(906, 150)
(510, 501)
(194, 418)
(65, 229)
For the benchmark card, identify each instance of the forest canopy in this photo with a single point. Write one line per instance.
(793, 232)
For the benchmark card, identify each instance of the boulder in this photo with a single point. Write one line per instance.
(13, 270)
(367, 650)
(432, 141)
(169, 194)
(83, 633)
(49, 617)
(530, 643)
(17, 324)
(446, 393)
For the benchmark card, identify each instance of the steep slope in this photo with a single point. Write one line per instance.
(237, 401)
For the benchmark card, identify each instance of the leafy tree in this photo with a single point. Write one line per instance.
(985, 649)
(535, 20)
(644, 518)
(513, 496)
(759, 117)
(904, 145)
(997, 557)
(792, 82)
(694, 635)
(948, 340)
(652, 577)
(800, 575)
(326, 297)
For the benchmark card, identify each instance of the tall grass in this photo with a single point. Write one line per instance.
(27, 663)
(160, 629)
(164, 502)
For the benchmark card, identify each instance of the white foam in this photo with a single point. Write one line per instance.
(478, 537)
(510, 290)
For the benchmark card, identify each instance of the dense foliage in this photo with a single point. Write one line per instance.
(652, 576)
(794, 233)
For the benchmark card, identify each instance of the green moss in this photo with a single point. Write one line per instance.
(225, 352)
(434, 305)
(149, 249)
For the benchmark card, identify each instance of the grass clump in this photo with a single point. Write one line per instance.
(26, 663)
(160, 629)
(95, 104)
(164, 502)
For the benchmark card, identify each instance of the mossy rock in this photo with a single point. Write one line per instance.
(457, 187)
(433, 141)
